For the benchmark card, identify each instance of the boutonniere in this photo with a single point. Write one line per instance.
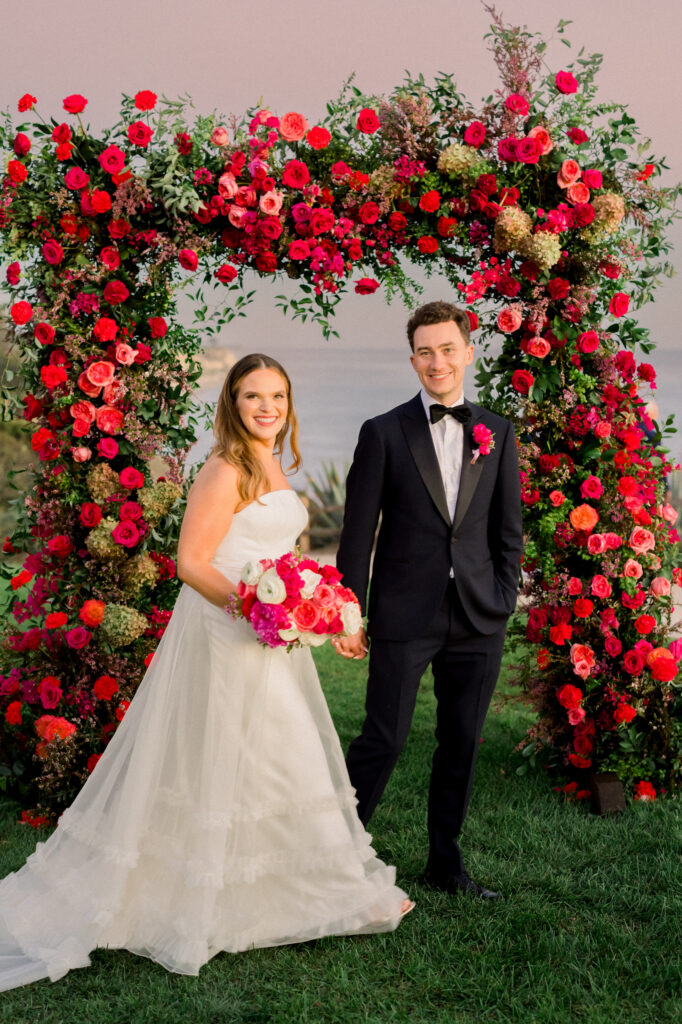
(485, 439)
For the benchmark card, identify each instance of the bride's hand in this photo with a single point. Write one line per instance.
(355, 646)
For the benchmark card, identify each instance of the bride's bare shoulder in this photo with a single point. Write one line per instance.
(217, 477)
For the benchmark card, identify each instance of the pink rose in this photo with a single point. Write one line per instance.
(293, 126)
(271, 203)
(125, 354)
(81, 454)
(575, 715)
(188, 259)
(592, 487)
(669, 513)
(528, 150)
(227, 185)
(236, 215)
(642, 540)
(632, 569)
(83, 411)
(538, 347)
(600, 586)
(660, 587)
(131, 478)
(568, 174)
(596, 543)
(509, 319)
(100, 373)
(474, 134)
(517, 104)
(574, 586)
(542, 139)
(613, 541)
(602, 429)
(77, 638)
(107, 448)
(219, 136)
(76, 179)
(557, 498)
(578, 193)
(592, 178)
(109, 420)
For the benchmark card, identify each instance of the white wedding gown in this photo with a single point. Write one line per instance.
(220, 816)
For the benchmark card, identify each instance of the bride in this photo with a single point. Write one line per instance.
(220, 816)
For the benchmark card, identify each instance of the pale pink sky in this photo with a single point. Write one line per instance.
(229, 54)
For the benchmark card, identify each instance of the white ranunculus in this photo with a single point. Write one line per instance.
(271, 589)
(312, 639)
(289, 635)
(310, 581)
(251, 573)
(351, 617)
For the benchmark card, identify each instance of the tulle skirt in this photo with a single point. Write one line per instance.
(220, 817)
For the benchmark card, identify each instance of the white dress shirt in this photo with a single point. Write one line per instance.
(448, 440)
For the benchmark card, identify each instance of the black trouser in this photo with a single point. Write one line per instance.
(465, 667)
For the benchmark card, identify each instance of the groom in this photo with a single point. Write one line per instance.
(444, 578)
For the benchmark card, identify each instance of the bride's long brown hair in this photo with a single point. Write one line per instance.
(233, 441)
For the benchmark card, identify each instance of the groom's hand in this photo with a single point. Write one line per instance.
(355, 646)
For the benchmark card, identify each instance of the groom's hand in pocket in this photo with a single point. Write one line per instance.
(355, 646)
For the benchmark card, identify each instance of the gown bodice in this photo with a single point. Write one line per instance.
(267, 528)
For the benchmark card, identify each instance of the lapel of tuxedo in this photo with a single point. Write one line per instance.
(418, 436)
(471, 472)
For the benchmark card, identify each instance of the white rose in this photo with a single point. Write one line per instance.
(290, 635)
(271, 589)
(312, 639)
(310, 581)
(251, 573)
(351, 617)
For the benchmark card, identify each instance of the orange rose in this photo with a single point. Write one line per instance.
(584, 518)
(92, 612)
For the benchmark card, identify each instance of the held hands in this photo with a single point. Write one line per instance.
(355, 646)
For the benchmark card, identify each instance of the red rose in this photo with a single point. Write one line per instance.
(624, 713)
(126, 534)
(77, 638)
(13, 273)
(105, 687)
(75, 104)
(17, 172)
(76, 179)
(226, 273)
(50, 692)
(21, 144)
(619, 304)
(115, 292)
(644, 791)
(474, 134)
(558, 288)
(43, 333)
(53, 252)
(578, 136)
(131, 478)
(369, 213)
(566, 82)
(397, 222)
(446, 226)
(60, 546)
(188, 259)
(295, 174)
(522, 381)
(583, 608)
(158, 327)
(130, 510)
(644, 624)
(298, 250)
(427, 244)
(105, 330)
(139, 134)
(528, 150)
(112, 159)
(321, 220)
(367, 121)
(145, 100)
(33, 408)
(366, 286)
(587, 342)
(183, 143)
(55, 620)
(570, 696)
(430, 201)
(27, 102)
(13, 713)
(318, 138)
(579, 762)
(90, 514)
(21, 312)
(633, 662)
(52, 376)
(61, 133)
(143, 353)
(266, 262)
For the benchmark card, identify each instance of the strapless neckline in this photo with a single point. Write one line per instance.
(266, 494)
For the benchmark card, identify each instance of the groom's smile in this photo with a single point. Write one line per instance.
(441, 356)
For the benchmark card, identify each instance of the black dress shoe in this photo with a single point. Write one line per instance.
(456, 884)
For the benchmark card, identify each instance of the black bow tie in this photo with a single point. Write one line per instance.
(462, 413)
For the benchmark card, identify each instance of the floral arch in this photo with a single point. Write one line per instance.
(540, 209)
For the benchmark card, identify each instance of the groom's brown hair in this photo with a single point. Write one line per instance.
(438, 313)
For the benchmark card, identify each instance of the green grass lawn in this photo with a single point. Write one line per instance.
(590, 928)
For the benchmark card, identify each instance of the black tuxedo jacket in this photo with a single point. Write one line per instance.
(395, 478)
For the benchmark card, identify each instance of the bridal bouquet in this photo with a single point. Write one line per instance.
(293, 601)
